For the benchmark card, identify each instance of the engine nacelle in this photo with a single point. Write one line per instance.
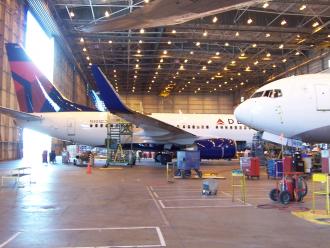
(216, 148)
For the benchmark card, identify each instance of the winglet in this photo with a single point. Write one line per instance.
(109, 96)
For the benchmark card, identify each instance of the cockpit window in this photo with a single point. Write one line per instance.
(277, 93)
(268, 93)
(257, 94)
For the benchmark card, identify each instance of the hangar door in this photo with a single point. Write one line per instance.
(322, 97)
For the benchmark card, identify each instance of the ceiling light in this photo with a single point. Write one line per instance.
(242, 83)
(71, 14)
(161, 60)
(142, 30)
(186, 60)
(181, 68)
(205, 33)
(137, 66)
(297, 53)
(238, 74)
(226, 44)
(233, 62)
(267, 35)
(84, 49)
(204, 68)
(268, 55)
(173, 31)
(209, 62)
(274, 66)
(169, 42)
(302, 7)
(198, 43)
(158, 67)
(107, 14)
(283, 22)
(207, 82)
(191, 52)
(256, 62)
(254, 45)
(249, 21)
(266, 4)
(81, 39)
(315, 24)
(242, 54)
(89, 63)
(248, 68)
(264, 71)
(237, 34)
(110, 41)
(114, 71)
(217, 53)
(87, 58)
(226, 82)
(225, 68)
(281, 46)
(146, 1)
(135, 76)
(215, 19)
(140, 41)
(138, 51)
(284, 60)
(165, 52)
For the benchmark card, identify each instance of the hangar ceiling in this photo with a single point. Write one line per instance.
(238, 49)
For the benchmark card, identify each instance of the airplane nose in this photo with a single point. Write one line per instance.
(243, 113)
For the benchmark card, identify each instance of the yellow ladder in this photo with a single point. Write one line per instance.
(323, 180)
(238, 180)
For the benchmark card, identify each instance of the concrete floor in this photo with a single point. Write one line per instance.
(137, 207)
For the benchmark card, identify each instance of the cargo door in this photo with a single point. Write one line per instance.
(71, 127)
(322, 97)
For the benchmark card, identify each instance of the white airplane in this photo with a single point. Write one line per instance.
(296, 107)
(44, 109)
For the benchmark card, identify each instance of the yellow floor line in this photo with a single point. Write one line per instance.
(319, 217)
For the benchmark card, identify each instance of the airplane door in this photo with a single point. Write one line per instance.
(71, 127)
(322, 97)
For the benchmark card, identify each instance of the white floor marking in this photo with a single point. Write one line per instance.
(10, 239)
(206, 206)
(155, 194)
(160, 236)
(167, 223)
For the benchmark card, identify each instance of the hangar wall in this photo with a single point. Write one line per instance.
(12, 21)
(202, 104)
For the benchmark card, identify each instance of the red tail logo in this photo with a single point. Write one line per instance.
(220, 122)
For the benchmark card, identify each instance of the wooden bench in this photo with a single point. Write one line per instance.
(16, 174)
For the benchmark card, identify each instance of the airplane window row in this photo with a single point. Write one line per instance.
(217, 127)
(103, 125)
(268, 93)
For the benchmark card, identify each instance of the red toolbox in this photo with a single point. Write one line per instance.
(250, 166)
(287, 164)
(325, 165)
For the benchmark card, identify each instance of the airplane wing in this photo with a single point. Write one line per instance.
(168, 12)
(153, 128)
(19, 115)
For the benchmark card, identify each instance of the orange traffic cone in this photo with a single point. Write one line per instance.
(89, 168)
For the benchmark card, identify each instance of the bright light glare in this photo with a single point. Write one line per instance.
(39, 47)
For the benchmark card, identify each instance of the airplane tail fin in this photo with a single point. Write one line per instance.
(109, 96)
(34, 91)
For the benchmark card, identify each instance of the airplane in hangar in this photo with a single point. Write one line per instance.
(296, 108)
(160, 13)
(43, 108)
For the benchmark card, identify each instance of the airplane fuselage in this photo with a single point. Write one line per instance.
(90, 127)
(301, 112)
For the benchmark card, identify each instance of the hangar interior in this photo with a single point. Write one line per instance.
(208, 65)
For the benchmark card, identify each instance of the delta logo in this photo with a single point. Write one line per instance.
(230, 122)
(220, 122)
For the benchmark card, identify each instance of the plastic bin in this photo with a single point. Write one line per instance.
(210, 187)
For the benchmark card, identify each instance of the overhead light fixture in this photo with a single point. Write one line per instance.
(205, 33)
(146, 1)
(281, 46)
(204, 68)
(198, 43)
(137, 66)
(256, 62)
(84, 49)
(265, 5)
(284, 60)
(225, 68)
(87, 58)
(165, 52)
(169, 42)
(283, 22)
(267, 35)
(302, 7)
(173, 31)
(215, 19)
(186, 60)
(268, 55)
(226, 44)
(217, 53)
(138, 51)
(315, 24)
(297, 53)
(254, 45)
(81, 39)
(161, 60)
(264, 71)
(249, 21)
(237, 34)
(181, 68)
(248, 69)
(274, 66)
(142, 31)
(191, 52)
(106, 14)
(71, 14)
(209, 61)
(140, 41)
(89, 63)
(110, 41)
(158, 67)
